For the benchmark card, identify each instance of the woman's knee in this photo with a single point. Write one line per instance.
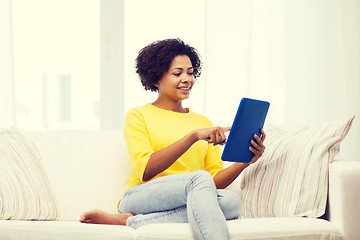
(201, 178)
(204, 176)
(230, 203)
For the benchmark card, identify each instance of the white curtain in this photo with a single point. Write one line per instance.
(302, 56)
(7, 116)
(157, 20)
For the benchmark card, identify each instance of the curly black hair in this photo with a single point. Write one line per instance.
(155, 59)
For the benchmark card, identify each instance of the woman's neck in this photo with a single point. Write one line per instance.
(171, 106)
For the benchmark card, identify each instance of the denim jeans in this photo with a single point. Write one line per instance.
(181, 198)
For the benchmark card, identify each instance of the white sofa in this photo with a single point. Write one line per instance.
(90, 170)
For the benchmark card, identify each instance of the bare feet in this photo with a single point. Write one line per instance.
(101, 217)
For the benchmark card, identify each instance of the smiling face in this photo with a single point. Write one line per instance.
(175, 84)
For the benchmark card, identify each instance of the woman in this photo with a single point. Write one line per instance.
(177, 173)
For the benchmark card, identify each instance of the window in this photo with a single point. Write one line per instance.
(56, 62)
(59, 47)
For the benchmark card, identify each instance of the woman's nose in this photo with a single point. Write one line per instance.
(186, 79)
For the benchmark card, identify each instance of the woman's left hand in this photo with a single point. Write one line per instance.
(258, 147)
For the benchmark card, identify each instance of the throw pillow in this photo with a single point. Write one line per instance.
(291, 178)
(25, 192)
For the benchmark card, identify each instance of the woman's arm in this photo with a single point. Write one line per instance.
(226, 176)
(162, 159)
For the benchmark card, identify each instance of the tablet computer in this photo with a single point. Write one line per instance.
(249, 120)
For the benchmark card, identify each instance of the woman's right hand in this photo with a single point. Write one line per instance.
(215, 135)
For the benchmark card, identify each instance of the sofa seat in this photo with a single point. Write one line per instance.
(59, 230)
(241, 229)
(260, 228)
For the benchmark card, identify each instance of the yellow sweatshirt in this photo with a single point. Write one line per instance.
(149, 129)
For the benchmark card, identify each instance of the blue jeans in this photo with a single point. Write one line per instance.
(181, 198)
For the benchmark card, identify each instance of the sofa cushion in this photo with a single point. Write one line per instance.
(256, 228)
(25, 192)
(88, 169)
(291, 178)
(62, 230)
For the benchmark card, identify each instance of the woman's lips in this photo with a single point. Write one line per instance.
(185, 90)
(185, 87)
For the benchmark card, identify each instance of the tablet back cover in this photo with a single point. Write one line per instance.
(249, 120)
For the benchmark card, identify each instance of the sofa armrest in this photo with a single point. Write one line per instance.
(344, 196)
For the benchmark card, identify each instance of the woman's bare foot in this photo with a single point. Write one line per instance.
(101, 217)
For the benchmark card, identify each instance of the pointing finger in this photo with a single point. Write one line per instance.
(226, 129)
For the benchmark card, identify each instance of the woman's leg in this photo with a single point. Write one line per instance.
(229, 201)
(195, 192)
(230, 204)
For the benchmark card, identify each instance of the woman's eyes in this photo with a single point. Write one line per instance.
(178, 74)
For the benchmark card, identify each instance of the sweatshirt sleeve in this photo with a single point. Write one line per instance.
(138, 141)
(213, 163)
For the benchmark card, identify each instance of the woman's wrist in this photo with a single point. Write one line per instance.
(242, 165)
(194, 136)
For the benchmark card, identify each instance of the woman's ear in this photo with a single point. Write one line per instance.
(156, 84)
